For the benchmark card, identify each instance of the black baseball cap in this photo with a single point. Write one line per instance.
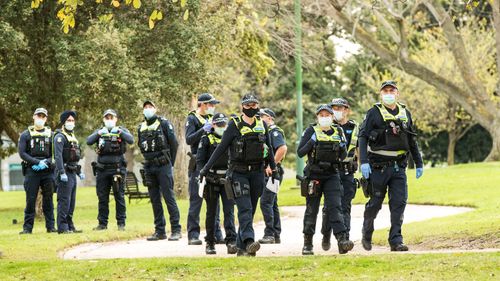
(219, 119)
(249, 98)
(268, 112)
(148, 102)
(109, 111)
(340, 102)
(324, 107)
(207, 98)
(391, 83)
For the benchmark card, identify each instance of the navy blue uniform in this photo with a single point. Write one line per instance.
(194, 132)
(269, 199)
(215, 188)
(388, 172)
(110, 163)
(329, 186)
(66, 157)
(34, 180)
(247, 177)
(158, 145)
(346, 178)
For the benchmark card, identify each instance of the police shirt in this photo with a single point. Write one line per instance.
(110, 159)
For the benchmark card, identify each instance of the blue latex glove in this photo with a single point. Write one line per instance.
(342, 144)
(366, 170)
(420, 172)
(313, 137)
(35, 168)
(207, 127)
(115, 130)
(64, 178)
(102, 131)
(43, 165)
(82, 176)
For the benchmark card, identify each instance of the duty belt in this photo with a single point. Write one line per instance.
(102, 166)
(159, 161)
(217, 172)
(385, 164)
(246, 168)
(72, 167)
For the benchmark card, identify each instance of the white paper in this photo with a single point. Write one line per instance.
(201, 187)
(274, 187)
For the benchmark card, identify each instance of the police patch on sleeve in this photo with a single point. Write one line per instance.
(170, 126)
(59, 139)
(187, 124)
(275, 134)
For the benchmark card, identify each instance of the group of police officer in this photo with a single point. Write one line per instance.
(238, 160)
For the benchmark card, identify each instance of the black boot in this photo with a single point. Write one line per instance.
(399, 248)
(366, 241)
(344, 244)
(176, 236)
(231, 247)
(325, 243)
(252, 247)
(308, 245)
(210, 248)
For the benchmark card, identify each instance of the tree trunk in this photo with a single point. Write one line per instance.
(452, 143)
(495, 148)
(182, 160)
(39, 209)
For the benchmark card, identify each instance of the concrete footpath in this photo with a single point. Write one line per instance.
(291, 237)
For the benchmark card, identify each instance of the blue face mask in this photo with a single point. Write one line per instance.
(389, 99)
(149, 112)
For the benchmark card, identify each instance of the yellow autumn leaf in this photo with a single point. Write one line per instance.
(159, 16)
(186, 15)
(153, 15)
(35, 4)
(72, 21)
(65, 28)
(128, 2)
(136, 4)
(98, 1)
(115, 3)
(183, 3)
(60, 14)
(151, 24)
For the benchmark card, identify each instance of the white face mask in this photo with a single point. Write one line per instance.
(338, 115)
(69, 125)
(149, 112)
(325, 121)
(109, 123)
(389, 99)
(219, 130)
(211, 110)
(39, 122)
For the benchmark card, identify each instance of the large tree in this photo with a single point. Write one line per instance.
(392, 30)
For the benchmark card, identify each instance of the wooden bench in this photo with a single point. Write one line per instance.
(132, 188)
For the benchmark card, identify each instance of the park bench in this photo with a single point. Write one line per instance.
(132, 188)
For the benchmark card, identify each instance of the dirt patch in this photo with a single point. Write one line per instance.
(486, 241)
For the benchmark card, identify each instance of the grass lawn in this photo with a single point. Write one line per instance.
(34, 257)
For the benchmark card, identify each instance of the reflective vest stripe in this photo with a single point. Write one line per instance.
(388, 116)
(152, 127)
(34, 133)
(213, 139)
(322, 136)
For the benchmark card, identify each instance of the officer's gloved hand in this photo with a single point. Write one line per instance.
(35, 168)
(313, 137)
(115, 130)
(275, 176)
(419, 172)
(42, 165)
(64, 178)
(82, 176)
(207, 127)
(366, 170)
(102, 131)
(203, 173)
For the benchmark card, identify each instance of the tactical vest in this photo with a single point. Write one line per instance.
(71, 149)
(200, 118)
(221, 163)
(111, 144)
(151, 137)
(392, 140)
(351, 149)
(249, 148)
(40, 143)
(327, 147)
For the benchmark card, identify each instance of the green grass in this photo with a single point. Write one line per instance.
(34, 257)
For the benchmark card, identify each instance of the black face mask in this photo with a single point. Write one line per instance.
(250, 112)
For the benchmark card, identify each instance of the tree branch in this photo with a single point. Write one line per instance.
(495, 7)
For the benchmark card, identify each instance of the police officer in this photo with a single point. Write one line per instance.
(110, 168)
(247, 139)
(198, 123)
(66, 156)
(215, 186)
(35, 149)
(386, 138)
(269, 199)
(158, 145)
(324, 144)
(348, 167)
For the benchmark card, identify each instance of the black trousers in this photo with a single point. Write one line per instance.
(34, 181)
(212, 193)
(349, 188)
(104, 184)
(390, 180)
(331, 189)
